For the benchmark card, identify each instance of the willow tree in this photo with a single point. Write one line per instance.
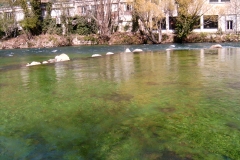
(188, 19)
(151, 14)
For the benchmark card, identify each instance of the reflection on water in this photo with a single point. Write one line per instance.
(116, 67)
(157, 104)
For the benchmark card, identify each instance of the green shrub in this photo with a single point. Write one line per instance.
(90, 38)
(165, 37)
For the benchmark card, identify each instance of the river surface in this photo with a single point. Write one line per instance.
(178, 104)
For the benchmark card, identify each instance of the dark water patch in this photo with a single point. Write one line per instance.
(235, 85)
(116, 97)
(169, 155)
(40, 149)
(3, 85)
(233, 125)
(168, 110)
(226, 158)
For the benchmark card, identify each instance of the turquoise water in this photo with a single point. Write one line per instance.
(157, 104)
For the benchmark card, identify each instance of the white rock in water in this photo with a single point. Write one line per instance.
(137, 50)
(44, 62)
(33, 63)
(216, 46)
(96, 55)
(62, 57)
(128, 50)
(109, 53)
(51, 60)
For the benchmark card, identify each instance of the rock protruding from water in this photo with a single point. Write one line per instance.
(127, 50)
(96, 55)
(137, 50)
(60, 58)
(34, 63)
(216, 46)
(109, 53)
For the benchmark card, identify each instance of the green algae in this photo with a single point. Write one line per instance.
(115, 108)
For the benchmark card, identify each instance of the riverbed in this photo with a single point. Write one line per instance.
(171, 101)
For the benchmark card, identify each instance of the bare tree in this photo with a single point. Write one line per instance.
(105, 13)
(151, 14)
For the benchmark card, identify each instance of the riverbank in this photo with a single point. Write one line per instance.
(48, 41)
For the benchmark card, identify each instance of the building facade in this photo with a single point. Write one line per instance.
(221, 16)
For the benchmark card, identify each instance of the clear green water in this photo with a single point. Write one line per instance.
(180, 104)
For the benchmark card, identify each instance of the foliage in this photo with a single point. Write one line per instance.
(32, 22)
(126, 27)
(49, 26)
(90, 38)
(165, 37)
(84, 25)
(135, 24)
(8, 24)
(8, 27)
(189, 12)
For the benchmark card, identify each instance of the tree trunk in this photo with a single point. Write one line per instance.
(160, 32)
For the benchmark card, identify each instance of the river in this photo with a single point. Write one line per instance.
(181, 104)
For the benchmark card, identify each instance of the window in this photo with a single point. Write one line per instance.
(210, 22)
(172, 22)
(230, 25)
(127, 7)
(8, 15)
(114, 7)
(83, 10)
(163, 23)
(219, 0)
